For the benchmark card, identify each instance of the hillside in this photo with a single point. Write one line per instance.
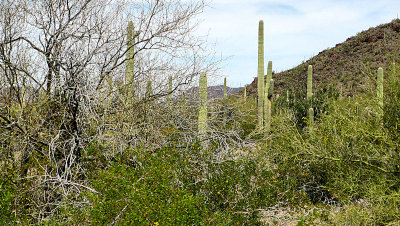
(213, 91)
(347, 64)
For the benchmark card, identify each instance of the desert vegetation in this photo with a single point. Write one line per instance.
(97, 126)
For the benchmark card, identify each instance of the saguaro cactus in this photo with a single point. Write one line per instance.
(225, 95)
(287, 96)
(309, 82)
(269, 74)
(130, 60)
(260, 82)
(170, 90)
(149, 89)
(309, 94)
(245, 93)
(202, 121)
(270, 88)
(380, 86)
(311, 116)
(267, 101)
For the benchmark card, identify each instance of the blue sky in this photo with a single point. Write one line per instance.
(294, 30)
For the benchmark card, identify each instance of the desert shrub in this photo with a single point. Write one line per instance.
(391, 107)
(348, 155)
(299, 106)
(7, 192)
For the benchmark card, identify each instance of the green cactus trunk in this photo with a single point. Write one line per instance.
(267, 101)
(149, 89)
(287, 96)
(225, 94)
(269, 75)
(310, 93)
(311, 116)
(202, 121)
(309, 82)
(130, 60)
(170, 90)
(245, 94)
(260, 82)
(271, 88)
(380, 87)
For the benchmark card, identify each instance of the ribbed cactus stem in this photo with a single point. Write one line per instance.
(271, 88)
(267, 114)
(287, 96)
(267, 109)
(309, 82)
(130, 60)
(149, 89)
(380, 86)
(267, 101)
(245, 93)
(225, 87)
(311, 115)
(202, 121)
(260, 81)
(269, 74)
(170, 90)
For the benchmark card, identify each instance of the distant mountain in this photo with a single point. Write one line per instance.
(214, 92)
(348, 65)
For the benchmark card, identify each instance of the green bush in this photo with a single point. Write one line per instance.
(7, 192)
(141, 188)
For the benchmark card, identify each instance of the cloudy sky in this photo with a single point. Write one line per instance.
(294, 30)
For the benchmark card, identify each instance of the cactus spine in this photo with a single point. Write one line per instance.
(380, 87)
(130, 60)
(202, 121)
(260, 81)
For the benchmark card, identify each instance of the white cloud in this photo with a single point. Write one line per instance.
(294, 30)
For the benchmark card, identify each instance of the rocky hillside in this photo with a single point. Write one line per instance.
(348, 65)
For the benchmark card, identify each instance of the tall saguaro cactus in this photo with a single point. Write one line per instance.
(202, 121)
(225, 94)
(260, 82)
(271, 88)
(380, 86)
(269, 75)
(170, 90)
(130, 61)
(310, 93)
(309, 82)
(149, 89)
(245, 93)
(267, 101)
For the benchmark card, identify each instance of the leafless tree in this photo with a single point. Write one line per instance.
(69, 57)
